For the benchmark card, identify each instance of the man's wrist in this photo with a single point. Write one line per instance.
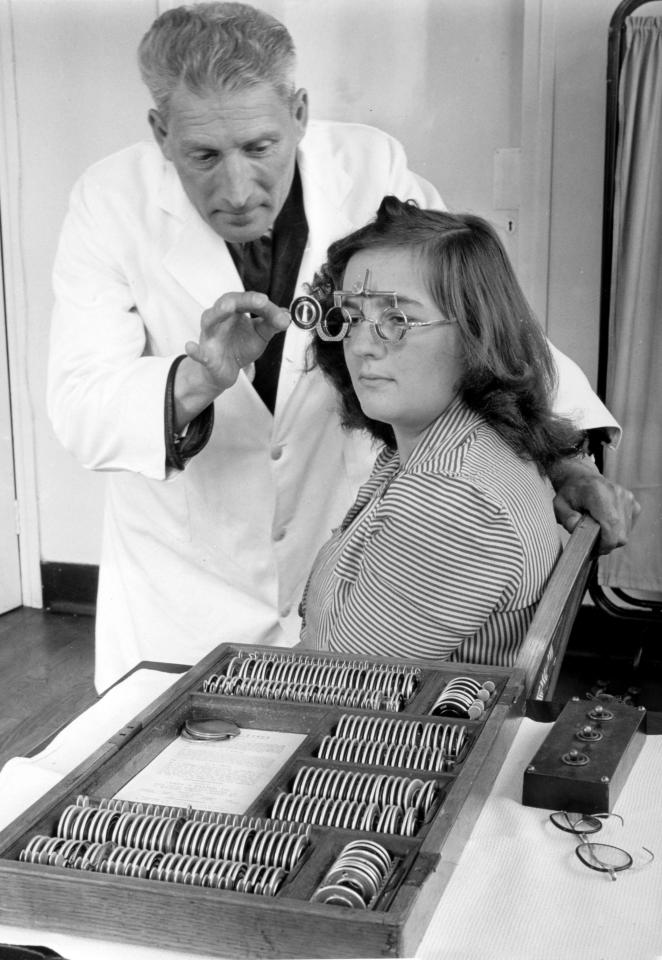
(182, 443)
(193, 392)
(581, 463)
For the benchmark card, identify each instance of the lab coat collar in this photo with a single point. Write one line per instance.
(326, 186)
(196, 247)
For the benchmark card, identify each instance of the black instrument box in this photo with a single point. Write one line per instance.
(584, 762)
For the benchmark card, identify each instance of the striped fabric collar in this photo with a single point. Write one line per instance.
(441, 441)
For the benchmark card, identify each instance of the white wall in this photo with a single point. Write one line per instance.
(78, 97)
(442, 75)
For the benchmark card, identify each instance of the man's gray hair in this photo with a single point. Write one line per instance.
(207, 45)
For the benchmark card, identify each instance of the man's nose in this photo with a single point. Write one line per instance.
(236, 181)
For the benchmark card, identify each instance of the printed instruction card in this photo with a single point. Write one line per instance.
(223, 775)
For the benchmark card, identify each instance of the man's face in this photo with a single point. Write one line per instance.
(234, 153)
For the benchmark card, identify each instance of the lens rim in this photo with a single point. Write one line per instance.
(601, 865)
(400, 330)
(590, 823)
(323, 327)
(316, 312)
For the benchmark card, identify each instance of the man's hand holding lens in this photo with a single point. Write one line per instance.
(234, 332)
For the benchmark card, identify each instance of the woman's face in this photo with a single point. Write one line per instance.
(409, 383)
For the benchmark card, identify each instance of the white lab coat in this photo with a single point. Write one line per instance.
(219, 552)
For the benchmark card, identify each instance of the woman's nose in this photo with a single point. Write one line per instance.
(363, 338)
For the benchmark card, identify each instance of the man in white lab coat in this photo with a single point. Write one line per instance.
(228, 466)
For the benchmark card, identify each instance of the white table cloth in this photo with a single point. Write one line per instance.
(517, 893)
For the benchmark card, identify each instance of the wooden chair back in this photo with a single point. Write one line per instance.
(544, 646)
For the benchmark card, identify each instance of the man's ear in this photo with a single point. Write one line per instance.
(160, 131)
(300, 110)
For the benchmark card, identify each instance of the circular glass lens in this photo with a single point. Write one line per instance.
(335, 324)
(575, 822)
(392, 325)
(306, 312)
(602, 856)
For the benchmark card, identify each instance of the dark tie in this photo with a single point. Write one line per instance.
(271, 265)
(253, 262)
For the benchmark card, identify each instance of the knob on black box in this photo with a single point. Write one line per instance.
(584, 761)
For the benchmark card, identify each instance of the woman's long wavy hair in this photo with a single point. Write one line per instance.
(509, 374)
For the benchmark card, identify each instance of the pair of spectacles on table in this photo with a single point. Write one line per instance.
(598, 856)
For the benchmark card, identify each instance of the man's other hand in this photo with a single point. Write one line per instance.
(581, 488)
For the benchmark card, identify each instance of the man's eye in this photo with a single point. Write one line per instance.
(203, 159)
(259, 149)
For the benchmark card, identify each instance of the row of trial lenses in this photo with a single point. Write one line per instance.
(448, 738)
(463, 697)
(381, 788)
(224, 875)
(349, 814)
(265, 847)
(190, 813)
(390, 680)
(189, 837)
(139, 830)
(326, 671)
(372, 753)
(53, 851)
(304, 693)
(112, 859)
(356, 876)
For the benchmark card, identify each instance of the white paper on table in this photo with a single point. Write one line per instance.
(225, 776)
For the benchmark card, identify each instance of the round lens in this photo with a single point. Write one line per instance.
(335, 324)
(306, 312)
(602, 856)
(575, 822)
(392, 325)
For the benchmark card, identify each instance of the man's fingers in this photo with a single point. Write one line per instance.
(193, 351)
(243, 305)
(626, 510)
(566, 515)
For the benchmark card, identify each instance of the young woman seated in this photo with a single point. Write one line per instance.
(423, 329)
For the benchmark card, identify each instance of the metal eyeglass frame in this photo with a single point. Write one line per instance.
(334, 325)
(604, 857)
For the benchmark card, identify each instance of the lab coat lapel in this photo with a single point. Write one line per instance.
(190, 259)
(325, 189)
(197, 258)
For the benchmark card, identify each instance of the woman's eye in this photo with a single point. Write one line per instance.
(394, 317)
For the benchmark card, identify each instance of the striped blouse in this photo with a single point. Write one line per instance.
(444, 558)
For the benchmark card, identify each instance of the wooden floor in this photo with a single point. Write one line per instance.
(46, 670)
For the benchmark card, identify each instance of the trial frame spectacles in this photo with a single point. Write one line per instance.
(391, 326)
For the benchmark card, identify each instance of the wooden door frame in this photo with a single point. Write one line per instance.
(537, 136)
(15, 320)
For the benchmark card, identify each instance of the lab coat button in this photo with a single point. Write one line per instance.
(276, 453)
(279, 534)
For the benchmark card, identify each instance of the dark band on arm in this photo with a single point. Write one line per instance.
(180, 449)
(595, 439)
